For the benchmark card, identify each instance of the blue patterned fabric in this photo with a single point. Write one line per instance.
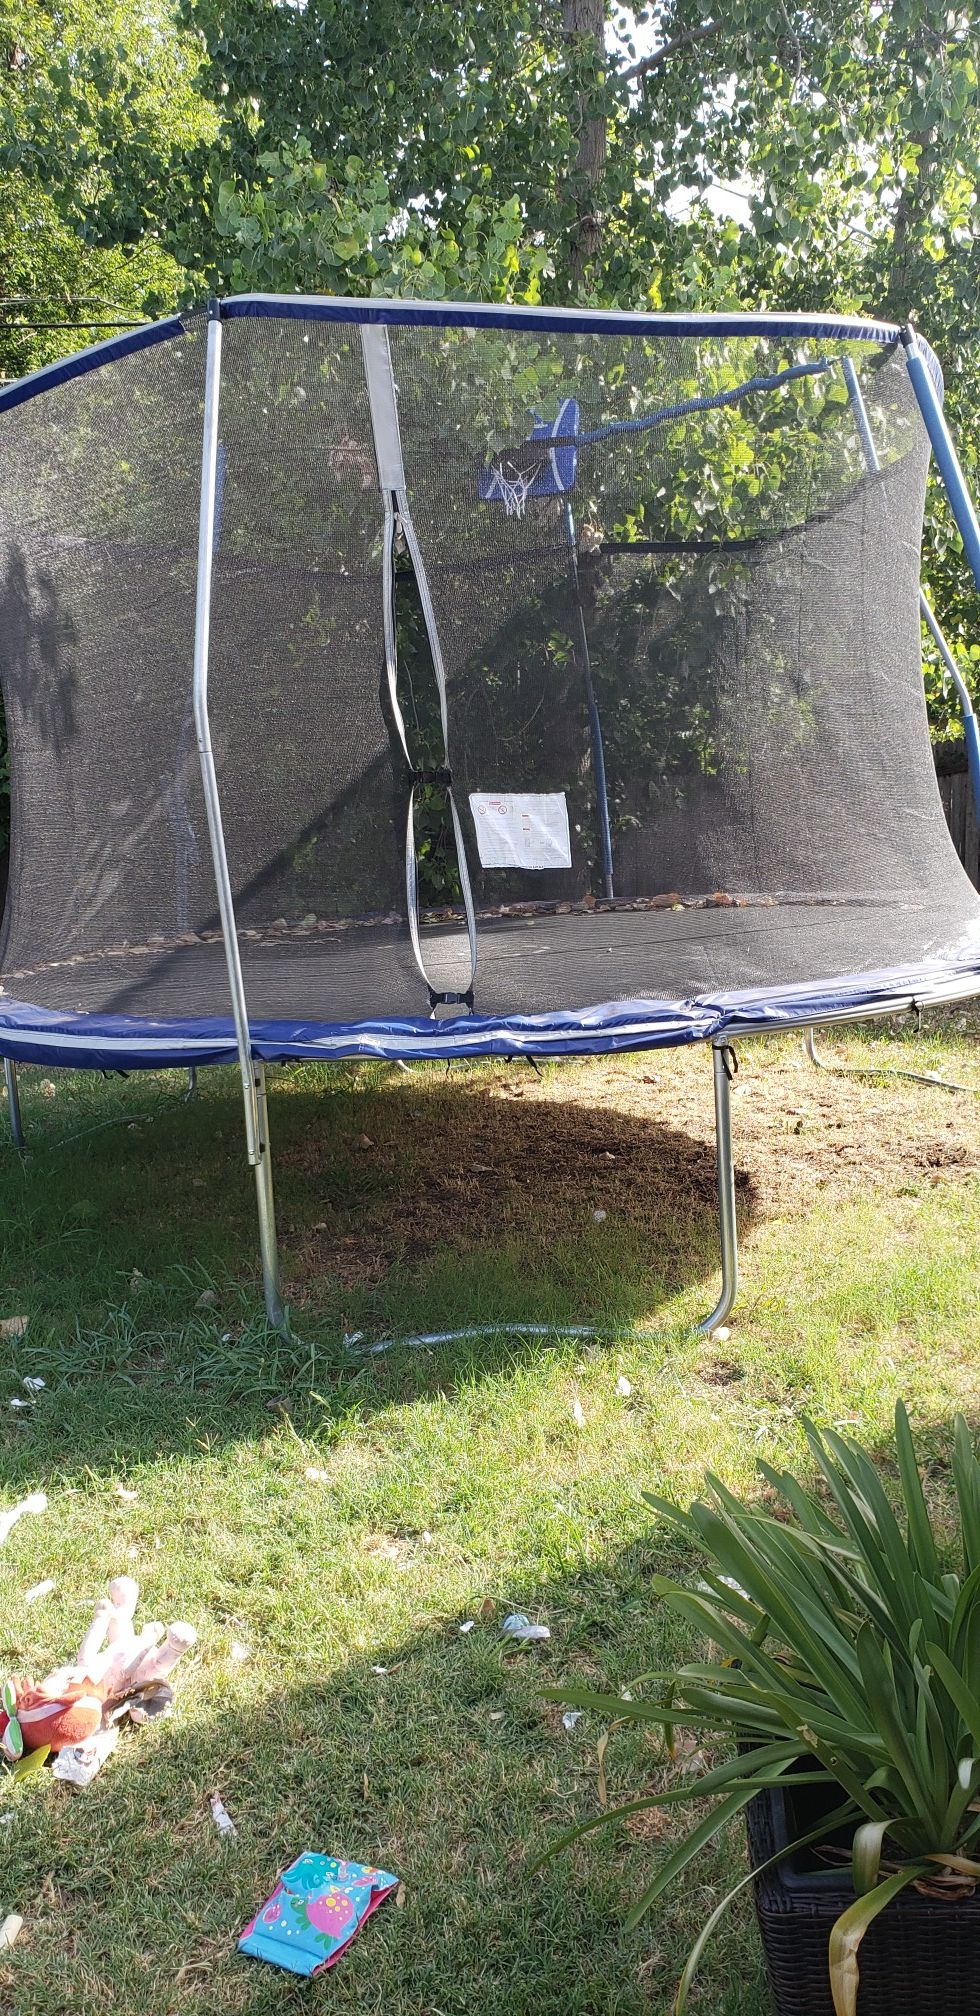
(317, 1907)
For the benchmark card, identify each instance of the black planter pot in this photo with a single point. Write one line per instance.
(921, 1957)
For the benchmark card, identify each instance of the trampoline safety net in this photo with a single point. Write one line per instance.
(547, 669)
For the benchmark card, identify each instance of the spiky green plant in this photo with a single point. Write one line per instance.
(849, 1657)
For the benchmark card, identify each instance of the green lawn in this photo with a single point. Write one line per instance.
(458, 1485)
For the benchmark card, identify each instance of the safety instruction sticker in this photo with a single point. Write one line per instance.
(521, 829)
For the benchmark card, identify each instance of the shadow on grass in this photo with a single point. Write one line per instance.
(445, 1767)
(406, 1204)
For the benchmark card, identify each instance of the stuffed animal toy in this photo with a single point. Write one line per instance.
(117, 1670)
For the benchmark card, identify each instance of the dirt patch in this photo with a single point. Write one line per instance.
(483, 1157)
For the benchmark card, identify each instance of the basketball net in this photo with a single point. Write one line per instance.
(512, 486)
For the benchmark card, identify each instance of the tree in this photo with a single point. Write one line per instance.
(524, 149)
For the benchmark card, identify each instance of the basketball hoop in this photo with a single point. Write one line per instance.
(512, 485)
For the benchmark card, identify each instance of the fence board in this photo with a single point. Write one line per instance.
(961, 818)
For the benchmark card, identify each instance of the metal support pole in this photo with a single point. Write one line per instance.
(971, 728)
(947, 460)
(880, 1070)
(722, 1058)
(252, 1069)
(13, 1102)
(266, 1206)
(595, 726)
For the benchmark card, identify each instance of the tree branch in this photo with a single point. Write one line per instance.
(653, 62)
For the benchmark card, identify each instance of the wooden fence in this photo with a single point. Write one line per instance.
(961, 818)
(954, 788)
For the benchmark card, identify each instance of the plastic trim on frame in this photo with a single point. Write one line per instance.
(472, 315)
(83, 361)
(117, 1042)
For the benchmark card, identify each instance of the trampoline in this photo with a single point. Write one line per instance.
(496, 682)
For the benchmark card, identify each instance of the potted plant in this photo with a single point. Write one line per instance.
(844, 1669)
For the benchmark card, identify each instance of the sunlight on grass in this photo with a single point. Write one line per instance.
(446, 1485)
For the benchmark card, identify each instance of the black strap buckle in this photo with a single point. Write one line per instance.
(450, 1000)
(440, 775)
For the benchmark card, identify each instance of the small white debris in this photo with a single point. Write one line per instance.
(426, 1539)
(519, 1627)
(578, 1414)
(730, 1583)
(136, 1281)
(222, 1818)
(10, 1930)
(624, 1694)
(572, 1716)
(721, 1335)
(47, 1089)
(315, 1476)
(599, 1217)
(33, 1386)
(121, 1491)
(470, 1625)
(35, 1502)
(13, 1326)
(623, 1387)
(18, 1403)
(40, 1589)
(81, 1762)
(379, 1669)
(239, 1652)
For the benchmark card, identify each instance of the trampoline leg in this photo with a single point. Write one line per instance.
(879, 1070)
(720, 1054)
(267, 1210)
(13, 1101)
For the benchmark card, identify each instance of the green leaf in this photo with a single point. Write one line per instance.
(921, 1540)
(966, 1478)
(866, 1854)
(713, 1823)
(31, 1761)
(827, 1826)
(849, 1930)
(958, 1691)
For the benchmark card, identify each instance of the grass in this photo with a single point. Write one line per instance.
(455, 1484)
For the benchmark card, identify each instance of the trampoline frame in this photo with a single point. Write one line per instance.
(372, 316)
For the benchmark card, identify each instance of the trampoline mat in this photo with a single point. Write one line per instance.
(537, 964)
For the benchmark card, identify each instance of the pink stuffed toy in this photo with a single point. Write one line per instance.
(116, 1668)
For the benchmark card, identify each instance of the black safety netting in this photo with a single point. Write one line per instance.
(672, 595)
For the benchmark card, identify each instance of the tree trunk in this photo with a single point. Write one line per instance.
(587, 18)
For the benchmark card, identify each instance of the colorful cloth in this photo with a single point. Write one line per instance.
(317, 1907)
